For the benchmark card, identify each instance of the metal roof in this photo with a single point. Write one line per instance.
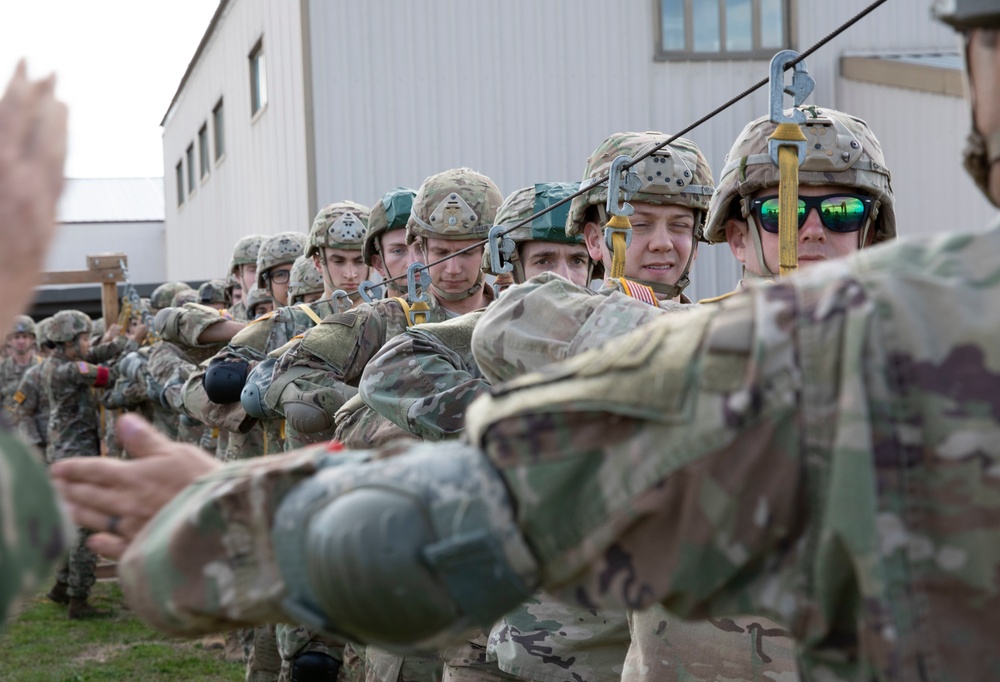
(951, 61)
(112, 200)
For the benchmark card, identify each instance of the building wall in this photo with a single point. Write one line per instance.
(261, 183)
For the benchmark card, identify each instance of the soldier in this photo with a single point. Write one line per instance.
(213, 294)
(336, 251)
(243, 267)
(163, 295)
(823, 448)
(23, 354)
(845, 199)
(424, 379)
(234, 292)
(31, 407)
(74, 430)
(315, 377)
(306, 284)
(34, 535)
(258, 303)
(385, 248)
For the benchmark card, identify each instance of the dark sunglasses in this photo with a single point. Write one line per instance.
(838, 212)
(277, 276)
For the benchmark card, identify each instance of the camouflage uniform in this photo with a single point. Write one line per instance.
(244, 253)
(34, 533)
(305, 279)
(31, 408)
(11, 371)
(74, 428)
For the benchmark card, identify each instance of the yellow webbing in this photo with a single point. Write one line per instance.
(420, 307)
(788, 197)
(311, 313)
(618, 241)
(282, 429)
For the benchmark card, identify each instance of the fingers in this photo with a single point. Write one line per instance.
(140, 439)
(108, 472)
(108, 545)
(91, 504)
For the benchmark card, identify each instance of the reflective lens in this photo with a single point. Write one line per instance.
(838, 212)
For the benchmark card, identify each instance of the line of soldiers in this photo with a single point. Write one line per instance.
(405, 366)
(804, 470)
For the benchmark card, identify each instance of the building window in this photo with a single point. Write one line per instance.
(180, 182)
(721, 29)
(203, 150)
(258, 79)
(219, 130)
(190, 165)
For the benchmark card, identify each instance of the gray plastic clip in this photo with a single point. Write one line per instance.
(369, 291)
(501, 250)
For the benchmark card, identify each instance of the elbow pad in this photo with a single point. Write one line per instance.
(408, 552)
(224, 380)
(252, 396)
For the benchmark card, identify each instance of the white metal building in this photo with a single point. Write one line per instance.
(287, 106)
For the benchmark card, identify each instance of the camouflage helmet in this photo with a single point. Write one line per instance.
(184, 296)
(305, 279)
(391, 212)
(677, 174)
(341, 225)
(212, 291)
(163, 295)
(840, 150)
(963, 15)
(456, 204)
(550, 227)
(23, 324)
(66, 325)
(245, 251)
(280, 249)
(255, 298)
(42, 330)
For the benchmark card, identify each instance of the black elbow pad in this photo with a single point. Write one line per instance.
(224, 380)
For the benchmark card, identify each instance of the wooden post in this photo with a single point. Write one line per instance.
(104, 269)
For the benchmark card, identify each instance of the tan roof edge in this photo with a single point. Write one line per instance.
(924, 78)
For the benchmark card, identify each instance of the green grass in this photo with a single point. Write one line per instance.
(41, 644)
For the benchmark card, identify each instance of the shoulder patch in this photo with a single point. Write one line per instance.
(83, 367)
(19, 397)
(347, 319)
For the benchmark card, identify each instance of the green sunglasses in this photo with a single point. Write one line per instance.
(838, 212)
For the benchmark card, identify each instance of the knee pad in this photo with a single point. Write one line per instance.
(224, 380)
(252, 395)
(405, 552)
(314, 666)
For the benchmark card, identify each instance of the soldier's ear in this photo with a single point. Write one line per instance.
(737, 238)
(593, 236)
(378, 264)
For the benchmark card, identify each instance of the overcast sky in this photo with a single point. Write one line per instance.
(118, 64)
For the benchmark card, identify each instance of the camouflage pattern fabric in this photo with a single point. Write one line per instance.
(456, 204)
(11, 373)
(864, 384)
(359, 427)
(74, 428)
(27, 501)
(170, 366)
(31, 408)
(238, 311)
(423, 379)
(322, 370)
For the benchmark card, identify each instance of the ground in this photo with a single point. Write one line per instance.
(41, 644)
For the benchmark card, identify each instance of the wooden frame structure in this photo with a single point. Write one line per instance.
(102, 268)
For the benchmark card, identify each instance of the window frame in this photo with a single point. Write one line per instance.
(219, 131)
(179, 177)
(192, 184)
(690, 54)
(204, 157)
(258, 79)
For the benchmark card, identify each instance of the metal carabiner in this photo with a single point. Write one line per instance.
(369, 291)
(801, 87)
(341, 301)
(418, 281)
(620, 190)
(501, 250)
